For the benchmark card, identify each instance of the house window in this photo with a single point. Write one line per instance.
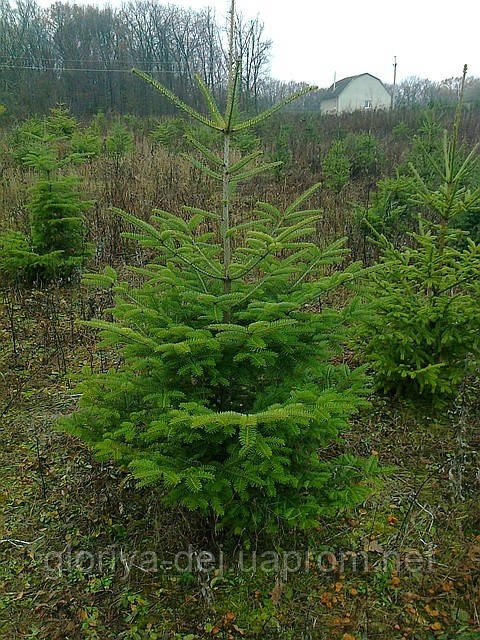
(368, 104)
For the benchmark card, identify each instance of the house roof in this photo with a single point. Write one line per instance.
(340, 85)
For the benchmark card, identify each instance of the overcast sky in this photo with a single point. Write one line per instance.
(313, 39)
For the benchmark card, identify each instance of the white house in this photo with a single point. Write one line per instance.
(356, 92)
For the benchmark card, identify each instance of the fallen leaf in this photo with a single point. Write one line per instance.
(409, 596)
(229, 617)
(374, 546)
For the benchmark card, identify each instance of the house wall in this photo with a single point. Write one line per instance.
(328, 106)
(360, 89)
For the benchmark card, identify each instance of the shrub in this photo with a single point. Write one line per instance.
(18, 262)
(365, 155)
(24, 135)
(133, 122)
(425, 326)
(99, 123)
(426, 155)
(173, 134)
(336, 166)
(56, 247)
(60, 123)
(119, 142)
(424, 331)
(427, 146)
(86, 143)
(169, 134)
(245, 141)
(229, 385)
(401, 131)
(392, 211)
(57, 126)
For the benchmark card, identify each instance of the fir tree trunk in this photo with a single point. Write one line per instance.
(226, 213)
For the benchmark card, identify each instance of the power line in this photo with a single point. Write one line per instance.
(7, 67)
(28, 58)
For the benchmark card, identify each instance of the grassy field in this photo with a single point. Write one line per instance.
(86, 555)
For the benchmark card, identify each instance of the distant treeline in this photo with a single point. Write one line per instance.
(82, 55)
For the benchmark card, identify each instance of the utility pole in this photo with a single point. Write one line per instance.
(392, 105)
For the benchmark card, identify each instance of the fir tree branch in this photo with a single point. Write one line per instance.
(210, 101)
(269, 112)
(244, 161)
(204, 150)
(150, 229)
(177, 101)
(253, 172)
(202, 167)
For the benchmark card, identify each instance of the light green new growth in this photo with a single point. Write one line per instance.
(224, 172)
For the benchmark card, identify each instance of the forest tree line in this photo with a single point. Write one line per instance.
(82, 55)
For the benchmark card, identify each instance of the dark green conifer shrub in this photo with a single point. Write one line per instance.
(170, 133)
(99, 123)
(364, 153)
(424, 332)
(427, 146)
(119, 142)
(427, 154)
(336, 166)
(247, 142)
(401, 131)
(133, 122)
(394, 206)
(173, 135)
(58, 125)
(230, 392)
(357, 155)
(24, 135)
(392, 210)
(59, 122)
(18, 263)
(55, 248)
(87, 143)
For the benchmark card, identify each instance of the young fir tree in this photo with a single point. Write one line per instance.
(229, 389)
(119, 143)
(336, 166)
(55, 248)
(424, 331)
